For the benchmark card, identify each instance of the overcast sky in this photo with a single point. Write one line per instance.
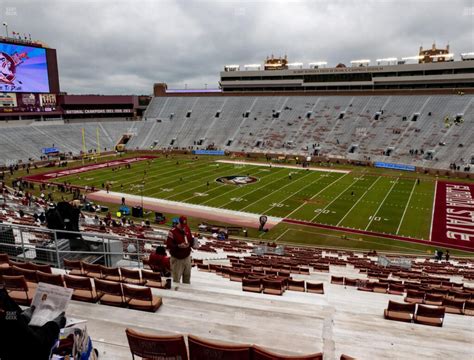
(123, 47)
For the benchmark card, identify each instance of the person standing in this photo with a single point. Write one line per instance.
(179, 243)
(440, 255)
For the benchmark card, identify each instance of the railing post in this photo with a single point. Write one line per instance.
(104, 251)
(58, 262)
(22, 244)
(138, 253)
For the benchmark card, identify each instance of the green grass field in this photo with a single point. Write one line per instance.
(380, 201)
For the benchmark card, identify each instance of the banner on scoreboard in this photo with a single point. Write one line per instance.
(8, 100)
(209, 152)
(47, 100)
(392, 166)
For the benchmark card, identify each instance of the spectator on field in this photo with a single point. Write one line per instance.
(179, 243)
(159, 261)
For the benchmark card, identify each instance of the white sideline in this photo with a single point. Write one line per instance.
(283, 166)
(175, 207)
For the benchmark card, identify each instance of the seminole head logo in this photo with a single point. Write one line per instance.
(7, 68)
(237, 180)
(9, 64)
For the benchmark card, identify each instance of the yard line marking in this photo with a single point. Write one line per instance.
(365, 193)
(139, 175)
(293, 194)
(239, 188)
(380, 206)
(291, 183)
(406, 208)
(312, 197)
(210, 191)
(106, 175)
(201, 185)
(338, 196)
(433, 210)
(228, 192)
(282, 234)
(259, 188)
(204, 178)
(295, 167)
(134, 179)
(176, 181)
(188, 166)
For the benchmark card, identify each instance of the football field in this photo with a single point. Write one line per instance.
(377, 202)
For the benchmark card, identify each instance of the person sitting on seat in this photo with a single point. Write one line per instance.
(159, 261)
(14, 331)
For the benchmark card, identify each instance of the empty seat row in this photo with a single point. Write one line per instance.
(6, 262)
(112, 293)
(415, 292)
(278, 286)
(420, 314)
(129, 276)
(452, 305)
(174, 347)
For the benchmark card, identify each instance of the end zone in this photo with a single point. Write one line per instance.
(453, 215)
(51, 175)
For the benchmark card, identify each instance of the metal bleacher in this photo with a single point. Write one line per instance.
(332, 125)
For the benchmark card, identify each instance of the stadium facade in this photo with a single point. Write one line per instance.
(435, 69)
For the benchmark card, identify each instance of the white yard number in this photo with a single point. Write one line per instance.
(322, 211)
(376, 218)
(278, 205)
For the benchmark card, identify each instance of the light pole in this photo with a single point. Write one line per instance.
(6, 28)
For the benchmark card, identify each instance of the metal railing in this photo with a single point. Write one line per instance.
(46, 246)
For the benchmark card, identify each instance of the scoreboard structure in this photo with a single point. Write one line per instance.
(29, 89)
(29, 78)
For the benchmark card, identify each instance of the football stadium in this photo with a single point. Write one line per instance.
(289, 210)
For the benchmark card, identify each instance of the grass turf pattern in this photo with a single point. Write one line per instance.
(375, 202)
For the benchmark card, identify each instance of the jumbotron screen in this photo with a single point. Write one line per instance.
(23, 69)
